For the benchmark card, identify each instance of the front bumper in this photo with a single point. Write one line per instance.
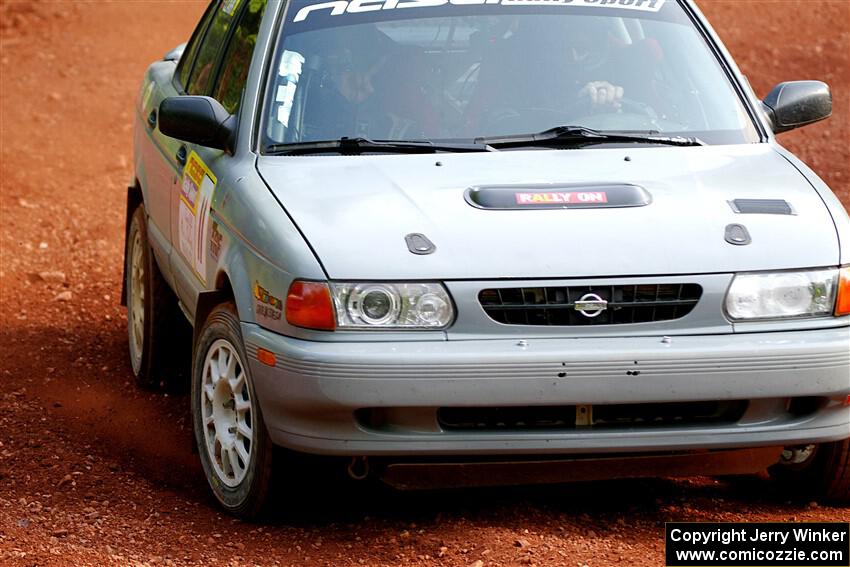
(310, 399)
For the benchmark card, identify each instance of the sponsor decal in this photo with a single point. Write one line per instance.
(339, 7)
(267, 306)
(216, 241)
(193, 175)
(290, 71)
(561, 198)
(557, 196)
(196, 194)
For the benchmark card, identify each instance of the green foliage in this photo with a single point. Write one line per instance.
(237, 60)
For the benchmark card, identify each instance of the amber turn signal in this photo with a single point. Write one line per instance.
(309, 305)
(842, 300)
(267, 357)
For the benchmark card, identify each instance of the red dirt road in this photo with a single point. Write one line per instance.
(96, 472)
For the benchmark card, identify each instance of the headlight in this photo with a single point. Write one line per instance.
(782, 295)
(391, 305)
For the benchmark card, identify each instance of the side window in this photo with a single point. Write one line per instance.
(204, 67)
(237, 58)
(184, 66)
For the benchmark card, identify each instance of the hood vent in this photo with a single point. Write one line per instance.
(761, 207)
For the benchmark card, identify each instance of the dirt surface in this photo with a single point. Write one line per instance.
(94, 471)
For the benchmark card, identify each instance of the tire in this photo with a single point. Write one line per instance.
(824, 475)
(156, 328)
(233, 444)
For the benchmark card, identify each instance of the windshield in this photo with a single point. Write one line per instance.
(434, 70)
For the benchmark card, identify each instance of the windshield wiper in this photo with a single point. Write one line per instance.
(579, 136)
(359, 146)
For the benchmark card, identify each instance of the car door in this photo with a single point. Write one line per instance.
(219, 70)
(160, 170)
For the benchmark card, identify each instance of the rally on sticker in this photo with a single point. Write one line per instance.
(561, 198)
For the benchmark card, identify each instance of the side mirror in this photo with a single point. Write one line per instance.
(797, 103)
(198, 120)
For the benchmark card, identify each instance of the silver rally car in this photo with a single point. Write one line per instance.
(458, 241)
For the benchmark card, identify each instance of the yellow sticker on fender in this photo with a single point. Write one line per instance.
(196, 194)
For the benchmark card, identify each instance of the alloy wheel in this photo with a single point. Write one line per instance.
(226, 413)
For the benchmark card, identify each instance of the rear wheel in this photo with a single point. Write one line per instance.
(816, 471)
(155, 325)
(234, 446)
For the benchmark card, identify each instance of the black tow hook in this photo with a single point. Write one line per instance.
(358, 468)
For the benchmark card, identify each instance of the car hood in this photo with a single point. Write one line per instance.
(355, 212)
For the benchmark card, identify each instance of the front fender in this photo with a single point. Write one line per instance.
(258, 251)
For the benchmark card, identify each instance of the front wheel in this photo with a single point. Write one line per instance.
(816, 471)
(234, 446)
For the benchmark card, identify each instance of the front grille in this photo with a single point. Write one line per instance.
(614, 416)
(556, 306)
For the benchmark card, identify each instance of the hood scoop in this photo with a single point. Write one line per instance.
(522, 197)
